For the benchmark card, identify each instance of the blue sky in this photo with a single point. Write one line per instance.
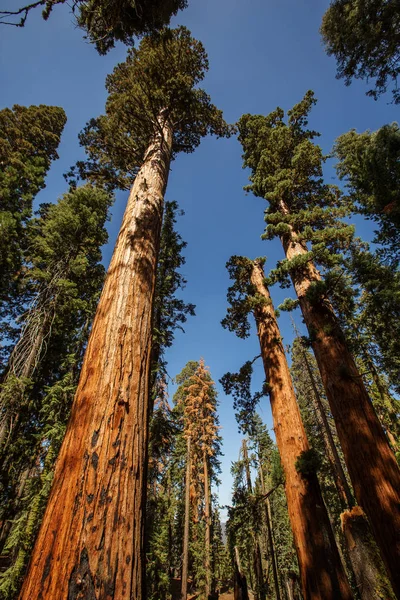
(262, 53)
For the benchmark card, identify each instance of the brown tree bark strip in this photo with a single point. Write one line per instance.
(185, 561)
(271, 545)
(259, 591)
(207, 519)
(321, 571)
(342, 486)
(370, 461)
(90, 545)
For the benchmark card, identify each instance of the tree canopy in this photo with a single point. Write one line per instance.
(160, 77)
(106, 23)
(364, 37)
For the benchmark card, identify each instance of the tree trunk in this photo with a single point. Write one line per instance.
(91, 542)
(259, 591)
(365, 557)
(185, 561)
(240, 583)
(271, 545)
(343, 488)
(207, 566)
(361, 436)
(321, 571)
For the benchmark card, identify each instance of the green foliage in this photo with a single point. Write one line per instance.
(308, 463)
(65, 277)
(369, 162)
(106, 23)
(364, 37)
(241, 295)
(29, 138)
(160, 77)
(244, 401)
(169, 312)
(286, 170)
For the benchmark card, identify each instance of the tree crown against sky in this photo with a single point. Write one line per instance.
(369, 163)
(364, 37)
(106, 23)
(158, 80)
(287, 171)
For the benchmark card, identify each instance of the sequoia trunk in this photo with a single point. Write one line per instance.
(370, 461)
(207, 565)
(91, 542)
(321, 571)
(185, 559)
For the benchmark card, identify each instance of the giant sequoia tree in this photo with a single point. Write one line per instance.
(95, 514)
(322, 574)
(303, 212)
(105, 22)
(364, 37)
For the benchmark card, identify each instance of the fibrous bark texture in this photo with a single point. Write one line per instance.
(91, 542)
(364, 556)
(372, 466)
(321, 571)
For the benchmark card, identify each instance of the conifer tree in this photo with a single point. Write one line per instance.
(154, 110)
(369, 164)
(65, 277)
(304, 213)
(29, 138)
(106, 23)
(369, 571)
(363, 35)
(321, 571)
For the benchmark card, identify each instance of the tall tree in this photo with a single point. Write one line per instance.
(369, 163)
(97, 502)
(106, 23)
(29, 138)
(364, 37)
(303, 211)
(370, 577)
(321, 571)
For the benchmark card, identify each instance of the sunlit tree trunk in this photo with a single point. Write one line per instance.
(370, 461)
(321, 571)
(91, 542)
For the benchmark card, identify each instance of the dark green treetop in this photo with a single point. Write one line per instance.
(369, 162)
(286, 170)
(105, 22)
(29, 138)
(243, 299)
(158, 79)
(364, 37)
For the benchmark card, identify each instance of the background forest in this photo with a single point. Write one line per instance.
(261, 56)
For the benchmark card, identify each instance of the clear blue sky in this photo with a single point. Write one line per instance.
(262, 53)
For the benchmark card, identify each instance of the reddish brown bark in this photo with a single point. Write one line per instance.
(185, 559)
(207, 564)
(370, 461)
(91, 543)
(321, 571)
